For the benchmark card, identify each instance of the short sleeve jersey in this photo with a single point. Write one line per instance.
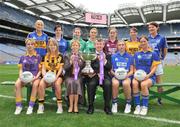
(53, 64)
(132, 47)
(110, 47)
(82, 45)
(63, 46)
(89, 46)
(41, 42)
(30, 63)
(157, 44)
(121, 61)
(145, 60)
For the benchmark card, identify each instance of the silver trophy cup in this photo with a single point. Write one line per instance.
(88, 57)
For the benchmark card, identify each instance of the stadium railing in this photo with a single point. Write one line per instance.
(153, 94)
(170, 88)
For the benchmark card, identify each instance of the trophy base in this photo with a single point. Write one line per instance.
(88, 69)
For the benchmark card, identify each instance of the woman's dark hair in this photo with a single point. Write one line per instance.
(57, 26)
(133, 29)
(154, 24)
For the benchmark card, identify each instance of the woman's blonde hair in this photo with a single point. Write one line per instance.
(75, 41)
(94, 29)
(54, 43)
(40, 21)
(144, 36)
(29, 40)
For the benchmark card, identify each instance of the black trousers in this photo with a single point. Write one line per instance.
(107, 90)
(85, 81)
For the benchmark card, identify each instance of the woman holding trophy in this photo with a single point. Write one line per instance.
(101, 67)
(73, 65)
(89, 49)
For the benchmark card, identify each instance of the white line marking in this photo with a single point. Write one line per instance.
(120, 114)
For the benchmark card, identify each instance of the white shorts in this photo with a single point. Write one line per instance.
(159, 70)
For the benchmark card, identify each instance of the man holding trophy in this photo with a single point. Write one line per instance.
(101, 67)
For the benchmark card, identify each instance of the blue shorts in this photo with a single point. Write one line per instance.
(121, 81)
(153, 79)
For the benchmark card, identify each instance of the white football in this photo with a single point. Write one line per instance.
(50, 77)
(140, 75)
(26, 77)
(120, 73)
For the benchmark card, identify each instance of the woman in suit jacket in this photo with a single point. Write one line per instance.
(73, 66)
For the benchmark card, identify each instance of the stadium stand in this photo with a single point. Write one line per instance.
(15, 24)
(10, 53)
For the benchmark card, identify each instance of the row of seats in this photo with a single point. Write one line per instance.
(11, 52)
(18, 16)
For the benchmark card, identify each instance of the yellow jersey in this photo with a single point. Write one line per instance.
(132, 47)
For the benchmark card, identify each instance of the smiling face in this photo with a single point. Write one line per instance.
(144, 43)
(30, 43)
(77, 33)
(93, 33)
(75, 46)
(112, 33)
(52, 46)
(133, 33)
(99, 45)
(153, 29)
(39, 25)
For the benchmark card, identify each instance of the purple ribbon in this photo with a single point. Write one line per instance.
(101, 71)
(76, 67)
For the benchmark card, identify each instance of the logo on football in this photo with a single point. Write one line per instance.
(140, 75)
(26, 77)
(120, 73)
(50, 77)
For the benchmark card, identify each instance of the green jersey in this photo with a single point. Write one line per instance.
(89, 47)
(82, 45)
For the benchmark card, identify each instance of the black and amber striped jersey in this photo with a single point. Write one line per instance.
(53, 63)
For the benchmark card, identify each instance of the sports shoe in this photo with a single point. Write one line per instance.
(18, 110)
(127, 108)
(137, 110)
(59, 110)
(114, 108)
(40, 109)
(144, 110)
(29, 110)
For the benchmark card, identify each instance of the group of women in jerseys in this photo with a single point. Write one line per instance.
(64, 58)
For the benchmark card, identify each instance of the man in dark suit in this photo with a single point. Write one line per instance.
(101, 66)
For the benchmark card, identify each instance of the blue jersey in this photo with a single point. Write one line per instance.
(158, 43)
(145, 60)
(63, 46)
(121, 61)
(41, 42)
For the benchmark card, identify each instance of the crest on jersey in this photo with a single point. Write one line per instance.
(24, 61)
(139, 56)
